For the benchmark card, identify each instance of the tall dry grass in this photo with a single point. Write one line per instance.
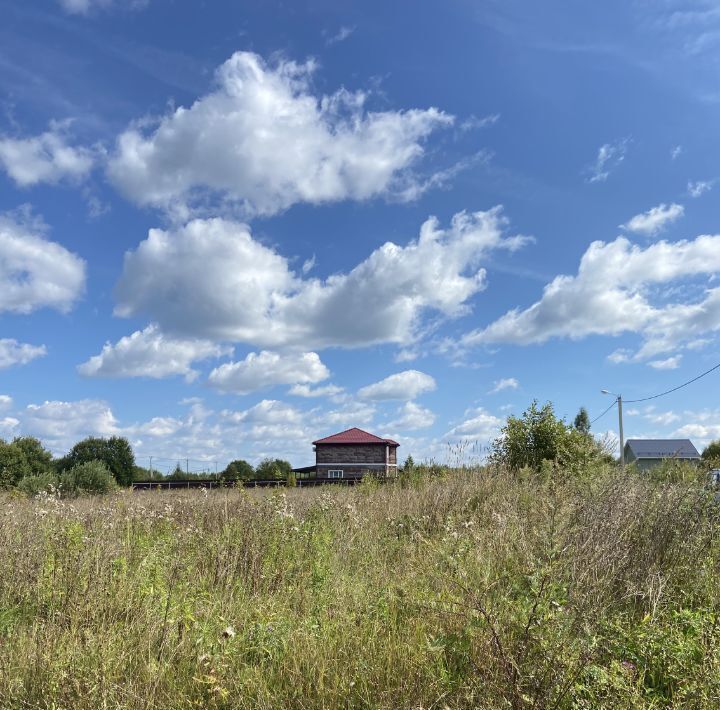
(475, 590)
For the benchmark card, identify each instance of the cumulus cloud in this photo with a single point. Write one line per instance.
(263, 140)
(60, 424)
(307, 391)
(14, 353)
(150, 353)
(655, 219)
(263, 303)
(609, 157)
(5, 401)
(413, 416)
(670, 363)
(402, 385)
(613, 292)
(266, 369)
(35, 272)
(44, 158)
(507, 383)
(478, 425)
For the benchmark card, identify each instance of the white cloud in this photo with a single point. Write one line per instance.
(263, 303)
(61, 424)
(700, 187)
(270, 428)
(307, 391)
(263, 140)
(508, 383)
(14, 353)
(676, 152)
(413, 416)
(35, 272)
(268, 411)
(655, 219)
(44, 158)
(479, 425)
(474, 122)
(340, 36)
(613, 293)
(402, 385)
(609, 157)
(670, 363)
(266, 369)
(6, 401)
(85, 7)
(662, 418)
(150, 353)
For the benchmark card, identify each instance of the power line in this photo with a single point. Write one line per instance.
(600, 416)
(674, 389)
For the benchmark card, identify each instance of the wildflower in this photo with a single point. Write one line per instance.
(228, 632)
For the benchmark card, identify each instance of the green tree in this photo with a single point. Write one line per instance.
(13, 465)
(712, 451)
(539, 436)
(273, 469)
(38, 457)
(409, 464)
(238, 469)
(582, 421)
(115, 453)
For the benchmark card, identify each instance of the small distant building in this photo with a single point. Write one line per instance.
(646, 453)
(351, 454)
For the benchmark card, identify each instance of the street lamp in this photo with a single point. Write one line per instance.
(618, 398)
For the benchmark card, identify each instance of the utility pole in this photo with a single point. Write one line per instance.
(151, 471)
(618, 399)
(187, 467)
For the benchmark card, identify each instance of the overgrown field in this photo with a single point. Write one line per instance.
(474, 590)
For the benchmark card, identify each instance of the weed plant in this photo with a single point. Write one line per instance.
(475, 589)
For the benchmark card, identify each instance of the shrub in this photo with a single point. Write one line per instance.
(88, 477)
(676, 471)
(114, 452)
(13, 465)
(37, 483)
(538, 437)
(291, 480)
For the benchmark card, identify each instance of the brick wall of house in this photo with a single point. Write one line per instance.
(350, 453)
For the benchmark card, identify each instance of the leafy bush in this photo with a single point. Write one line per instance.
(539, 436)
(115, 453)
(88, 477)
(37, 483)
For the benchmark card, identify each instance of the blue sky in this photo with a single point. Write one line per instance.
(229, 228)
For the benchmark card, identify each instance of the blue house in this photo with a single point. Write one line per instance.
(646, 453)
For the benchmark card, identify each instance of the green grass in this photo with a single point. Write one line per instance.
(475, 590)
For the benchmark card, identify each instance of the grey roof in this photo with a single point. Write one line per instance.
(662, 448)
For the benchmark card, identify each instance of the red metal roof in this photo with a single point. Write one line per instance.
(355, 436)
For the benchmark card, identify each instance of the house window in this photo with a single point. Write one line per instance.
(335, 473)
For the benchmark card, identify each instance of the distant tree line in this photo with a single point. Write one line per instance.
(98, 465)
(93, 465)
